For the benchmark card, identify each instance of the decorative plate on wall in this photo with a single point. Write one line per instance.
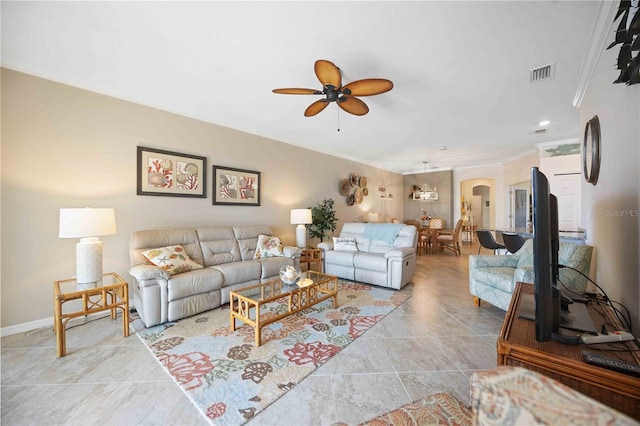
(351, 199)
(359, 196)
(365, 191)
(363, 182)
(354, 179)
(344, 187)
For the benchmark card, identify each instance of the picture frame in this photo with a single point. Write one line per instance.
(170, 174)
(235, 187)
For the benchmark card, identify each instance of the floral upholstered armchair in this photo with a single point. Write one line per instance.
(493, 278)
(515, 396)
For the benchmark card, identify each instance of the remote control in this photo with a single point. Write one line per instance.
(614, 336)
(611, 363)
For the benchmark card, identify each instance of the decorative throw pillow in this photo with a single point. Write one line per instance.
(268, 246)
(344, 244)
(172, 259)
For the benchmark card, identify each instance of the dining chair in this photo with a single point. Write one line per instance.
(436, 223)
(450, 239)
(486, 240)
(423, 240)
(512, 241)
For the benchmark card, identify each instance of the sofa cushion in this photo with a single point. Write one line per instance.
(193, 282)
(172, 259)
(271, 266)
(247, 237)
(370, 261)
(240, 272)
(218, 245)
(343, 258)
(268, 246)
(497, 277)
(345, 244)
(356, 230)
(525, 254)
(148, 239)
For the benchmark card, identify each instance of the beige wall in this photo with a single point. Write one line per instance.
(443, 208)
(518, 170)
(610, 210)
(66, 147)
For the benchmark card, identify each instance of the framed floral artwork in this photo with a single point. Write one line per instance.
(171, 174)
(236, 187)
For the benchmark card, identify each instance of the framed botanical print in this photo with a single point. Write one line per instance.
(171, 174)
(236, 187)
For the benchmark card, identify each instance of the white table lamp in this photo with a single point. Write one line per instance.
(301, 217)
(87, 224)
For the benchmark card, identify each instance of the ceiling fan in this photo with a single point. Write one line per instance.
(345, 96)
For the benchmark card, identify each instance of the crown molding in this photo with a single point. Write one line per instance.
(601, 31)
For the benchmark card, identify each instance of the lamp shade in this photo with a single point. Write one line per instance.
(301, 216)
(87, 222)
(372, 217)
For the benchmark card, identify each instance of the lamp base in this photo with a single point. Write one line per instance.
(301, 236)
(88, 262)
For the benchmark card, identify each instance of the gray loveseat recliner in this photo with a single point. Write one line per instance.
(226, 254)
(493, 278)
(384, 263)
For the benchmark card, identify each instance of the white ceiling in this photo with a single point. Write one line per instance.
(460, 69)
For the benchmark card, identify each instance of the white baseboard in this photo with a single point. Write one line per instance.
(41, 323)
(26, 326)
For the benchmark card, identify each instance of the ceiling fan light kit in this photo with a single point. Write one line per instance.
(344, 96)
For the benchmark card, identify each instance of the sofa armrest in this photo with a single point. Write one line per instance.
(292, 252)
(148, 272)
(325, 246)
(399, 252)
(523, 274)
(485, 261)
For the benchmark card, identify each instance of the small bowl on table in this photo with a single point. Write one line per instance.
(288, 279)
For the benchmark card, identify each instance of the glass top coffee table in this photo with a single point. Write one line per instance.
(246, 302)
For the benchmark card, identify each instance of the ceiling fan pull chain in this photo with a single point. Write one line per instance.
(338, 119)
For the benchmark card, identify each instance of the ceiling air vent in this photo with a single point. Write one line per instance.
(540, 131)
(542, 73)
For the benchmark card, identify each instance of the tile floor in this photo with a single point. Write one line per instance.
(432, 343)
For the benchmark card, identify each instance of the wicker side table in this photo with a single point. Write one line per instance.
(311, 256)
(110, 294)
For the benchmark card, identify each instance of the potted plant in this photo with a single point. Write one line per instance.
(323, 218)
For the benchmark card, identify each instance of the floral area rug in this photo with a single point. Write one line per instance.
(230, 380)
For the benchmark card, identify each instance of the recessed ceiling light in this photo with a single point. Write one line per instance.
(442, 148)
(545, 123)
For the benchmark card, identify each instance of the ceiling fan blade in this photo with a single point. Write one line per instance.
(328, 73)
(297, 91)
(316, 107)
(353, 105)
(369, 87)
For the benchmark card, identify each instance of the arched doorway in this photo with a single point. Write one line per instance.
(478, 202)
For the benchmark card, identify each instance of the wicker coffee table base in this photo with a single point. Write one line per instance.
(246, 308)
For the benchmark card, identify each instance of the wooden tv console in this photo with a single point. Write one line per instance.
(517, 346)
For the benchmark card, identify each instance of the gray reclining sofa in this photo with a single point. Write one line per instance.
(226, 254)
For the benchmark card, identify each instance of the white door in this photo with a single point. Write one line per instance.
(567, 188)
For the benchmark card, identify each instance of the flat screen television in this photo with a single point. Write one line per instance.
(545, 257)
(548, 315)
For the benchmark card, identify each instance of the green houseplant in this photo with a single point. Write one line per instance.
(324, 219)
